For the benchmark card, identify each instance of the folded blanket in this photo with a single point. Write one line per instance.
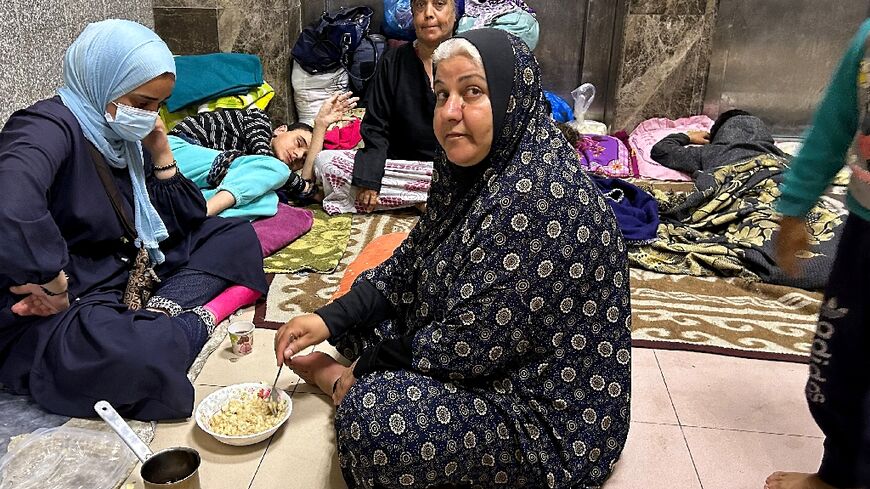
(405, 183)
(484, 13)
(651, 131)
(283, 228)
(637, 212)
(208, 76)
(257, 98)
(604, 155)
(517, 22)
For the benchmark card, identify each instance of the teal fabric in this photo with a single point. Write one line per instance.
(108, 60)
(519, 23)
(829, 139)
(209, 76)
(252, 179)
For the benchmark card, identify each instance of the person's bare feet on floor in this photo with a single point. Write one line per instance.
(318, 369)
(795, 480)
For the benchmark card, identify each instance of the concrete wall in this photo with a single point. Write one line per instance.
(34, 35)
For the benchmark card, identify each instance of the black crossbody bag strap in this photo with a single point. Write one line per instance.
(112, 191)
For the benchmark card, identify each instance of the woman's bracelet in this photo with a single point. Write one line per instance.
(167, 167)
(54, 294)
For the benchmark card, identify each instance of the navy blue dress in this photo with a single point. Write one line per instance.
(56, 216)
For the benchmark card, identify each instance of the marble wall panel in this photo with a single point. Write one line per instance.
(648, 7)
(665, 60)
(261, 27)
(311, 10)
(686, 7)
(671, 7)
(294, 27)
(186, 3)
(188, 30)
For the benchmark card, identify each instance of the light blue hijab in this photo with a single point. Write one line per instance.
(110, 59)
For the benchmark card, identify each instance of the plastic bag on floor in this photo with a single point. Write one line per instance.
(583, 97)
(66, 458)
(310, 91)
(399, 20)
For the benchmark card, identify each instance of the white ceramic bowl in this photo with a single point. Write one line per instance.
(217, 399)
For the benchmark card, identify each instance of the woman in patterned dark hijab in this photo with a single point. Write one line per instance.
(493, 348)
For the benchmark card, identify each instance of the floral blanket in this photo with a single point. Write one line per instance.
(604, 155)
(726, 227)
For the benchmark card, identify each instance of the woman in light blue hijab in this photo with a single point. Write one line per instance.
(102, 68)
(67, 336)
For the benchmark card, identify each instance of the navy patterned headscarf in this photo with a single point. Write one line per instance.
(528, 161)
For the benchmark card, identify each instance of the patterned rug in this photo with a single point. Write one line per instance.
(318, 250)
(292, 294)
(728, 316)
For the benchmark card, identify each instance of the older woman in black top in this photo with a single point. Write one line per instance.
(398, 120)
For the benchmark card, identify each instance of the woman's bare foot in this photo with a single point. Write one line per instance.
(795, 480)
(318, 369)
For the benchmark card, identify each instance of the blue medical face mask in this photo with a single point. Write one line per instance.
(131, 123)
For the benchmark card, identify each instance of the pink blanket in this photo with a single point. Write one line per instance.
(344, 137)
(651, 131)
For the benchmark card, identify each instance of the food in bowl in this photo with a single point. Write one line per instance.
(215, 403)
(247, 414)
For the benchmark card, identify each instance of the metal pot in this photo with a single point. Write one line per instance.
(172, 468)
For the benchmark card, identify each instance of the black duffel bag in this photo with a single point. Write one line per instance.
(365, 61)
(331, 41)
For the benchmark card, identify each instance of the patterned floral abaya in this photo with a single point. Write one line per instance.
(511, 297)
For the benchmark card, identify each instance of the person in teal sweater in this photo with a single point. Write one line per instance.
(838, 389)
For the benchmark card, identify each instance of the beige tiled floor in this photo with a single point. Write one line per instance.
(699, 421)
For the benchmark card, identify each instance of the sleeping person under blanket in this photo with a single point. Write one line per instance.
(240, 163)
(735, 136)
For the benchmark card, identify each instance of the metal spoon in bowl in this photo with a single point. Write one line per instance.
(274, 399)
